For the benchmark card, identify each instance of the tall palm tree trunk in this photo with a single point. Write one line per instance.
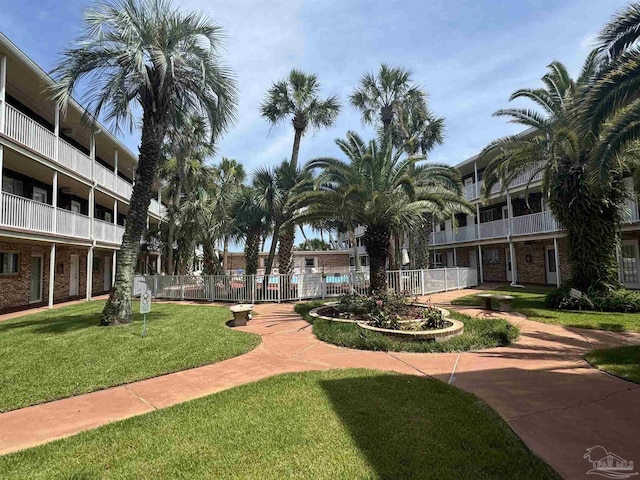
(118, 308)
(272, 250)
(171, 234)
(377, 240)
(296, 147)
(251, 252)
(225, 252)
(285, 251)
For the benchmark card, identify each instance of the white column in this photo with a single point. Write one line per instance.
(159, 264)
(89, 272)
(92, 156)
(56, 132)
(115, 212)
(455, 257)
(514, 267)
(91, 210)
(1, 167)
(475, 173)
(113, 267)
(3, 90)
(478, 220)
(509, 212)
(557, 255)
(480, 263)
(115, 163)
(52, 273)
(54, 200)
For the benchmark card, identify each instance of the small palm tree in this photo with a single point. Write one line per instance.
(187, 146)
(230, 175)
(146, 54)
(381, 189)
(382, 96)
(251, 224)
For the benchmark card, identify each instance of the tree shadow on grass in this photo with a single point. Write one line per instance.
(50, 323)
(410, 427)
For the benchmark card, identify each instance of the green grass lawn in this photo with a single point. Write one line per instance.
(339, 424)
(530, 302)
(63, 352)
(623, 362)
(478, 334)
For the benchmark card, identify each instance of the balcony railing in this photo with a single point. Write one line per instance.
(495, 229)
(631, 214)
(473, 190)
(73, 224)
(542, 222)
(74, 159)
(109, 180)
(29, 133)
(107, 231)
(26, 214)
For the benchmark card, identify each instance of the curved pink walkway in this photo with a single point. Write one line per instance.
(541, 386)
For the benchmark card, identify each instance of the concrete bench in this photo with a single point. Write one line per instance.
(241, 314)
(504, 301)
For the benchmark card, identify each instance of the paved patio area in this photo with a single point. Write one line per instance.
(540, 385)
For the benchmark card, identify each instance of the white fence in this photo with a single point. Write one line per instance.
(281, 288)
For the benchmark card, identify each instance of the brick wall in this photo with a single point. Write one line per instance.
(15, 288)
(495, 272)
(63, 264)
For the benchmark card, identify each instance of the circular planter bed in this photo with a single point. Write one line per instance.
(452, 327)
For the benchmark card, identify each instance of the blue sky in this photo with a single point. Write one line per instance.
(469, 55)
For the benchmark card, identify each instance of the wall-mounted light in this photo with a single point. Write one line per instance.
(527, 258)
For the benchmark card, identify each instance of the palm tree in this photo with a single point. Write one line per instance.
(612, 106)
(380, 189)
(382, 96)
(251, 224)
(230, 176)
(185, 142)
(559, 146)
(146, 54)
(297, 98)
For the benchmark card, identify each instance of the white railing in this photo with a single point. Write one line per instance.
(29, 132)
(109, 180)
(107, 231)
(495, 229)
(26, 214)
(465, 234)
(631, 214)
(542, 222)
(279, 288)
(72, 224)
(74, 159)
(471, 191)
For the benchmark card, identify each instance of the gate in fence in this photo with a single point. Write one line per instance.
(305, 286)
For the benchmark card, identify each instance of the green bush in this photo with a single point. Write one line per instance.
(614, 300)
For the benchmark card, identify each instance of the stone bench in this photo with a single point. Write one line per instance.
(241, 314)
(504, 301)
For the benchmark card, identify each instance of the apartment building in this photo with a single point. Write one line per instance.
(512, 238)
(64, 196)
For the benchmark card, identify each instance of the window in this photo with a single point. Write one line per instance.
(491, 256)
(9, 263)
(364, 260)
(108, 217)
(11, 185)
(75, 206)
(437, 258)
(39, 195)
(309, 262)
(486, 216)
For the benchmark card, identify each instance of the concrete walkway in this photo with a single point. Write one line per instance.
(540, 385)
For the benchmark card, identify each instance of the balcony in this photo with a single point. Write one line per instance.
(157, 208)
(473, 190)
(542, 222)
(26, 214)
(109, 180)
(631, 214)
(107, 231)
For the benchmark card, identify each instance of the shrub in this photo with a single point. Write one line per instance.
(613, 300)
